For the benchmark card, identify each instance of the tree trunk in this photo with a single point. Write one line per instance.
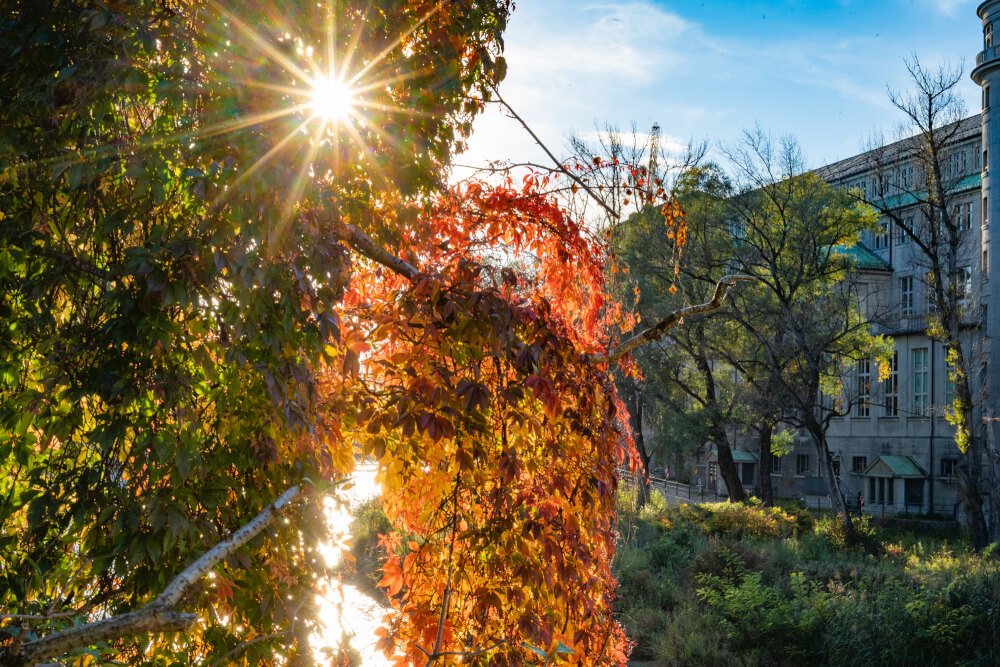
(832, 483)
(766, 463)
(727, 468)
(642, 484)
(992, 476)
(971, 496)
(970, 475)
(635, 410)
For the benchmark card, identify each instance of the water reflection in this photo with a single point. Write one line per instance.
(347, 614)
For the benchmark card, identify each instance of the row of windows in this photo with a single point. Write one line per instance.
(803, 465)
(963, 289)
(960, 213)
(905, 178)
(887, 394)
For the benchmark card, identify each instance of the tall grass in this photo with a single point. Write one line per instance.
(724, 584)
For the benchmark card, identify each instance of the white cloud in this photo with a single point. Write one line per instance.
(950, 7)
(624, 43)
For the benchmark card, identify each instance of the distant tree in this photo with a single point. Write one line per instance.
(803, 311)
(683, 376)
(917, 186)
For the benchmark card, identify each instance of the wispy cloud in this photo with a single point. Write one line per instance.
(950, 7)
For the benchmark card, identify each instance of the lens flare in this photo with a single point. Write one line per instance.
(332, 99)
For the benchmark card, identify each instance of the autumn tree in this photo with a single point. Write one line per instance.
(917, 187)
(229, 266)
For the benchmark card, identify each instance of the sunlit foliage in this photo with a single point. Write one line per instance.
(184, 332)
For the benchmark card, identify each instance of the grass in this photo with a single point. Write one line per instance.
(724, 584)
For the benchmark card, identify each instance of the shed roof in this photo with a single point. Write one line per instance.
(863, 258)
(895, 466)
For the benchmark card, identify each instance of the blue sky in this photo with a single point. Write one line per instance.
(709, 69)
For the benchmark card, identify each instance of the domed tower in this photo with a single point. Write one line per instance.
(987, 75)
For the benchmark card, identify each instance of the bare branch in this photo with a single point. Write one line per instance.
(158, 615)
(365, 245)
(672, 320)
(559, 165)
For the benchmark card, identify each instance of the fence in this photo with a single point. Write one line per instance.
(678, 491)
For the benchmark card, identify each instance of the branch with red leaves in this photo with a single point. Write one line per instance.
(365, 245)
(157, 616)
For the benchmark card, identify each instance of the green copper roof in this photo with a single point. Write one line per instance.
(894, 466)
(970, 182)
(863, 258)
(739, 456)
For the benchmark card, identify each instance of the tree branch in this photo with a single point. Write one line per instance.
(158, 615)
(559, 165)
(365, 245)
(675, 318)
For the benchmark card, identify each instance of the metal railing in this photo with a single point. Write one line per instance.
(989, 53)
(678, 491)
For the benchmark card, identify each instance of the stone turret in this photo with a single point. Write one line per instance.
(987, 75)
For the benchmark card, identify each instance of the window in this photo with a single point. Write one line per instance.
(964, 284)
(802, 464)
(863, 407)
(918, 368)
(713, 475)
(949, 466)
(986, 212)
(961, 215)
(986, 97)
(986, 263)
(988, 35)
(890, 388)
(859, 463)
(882, 236)
(906, 295)
(775, 465)
(901, 236)
(949, 384)
(986, 160)
(836, 468)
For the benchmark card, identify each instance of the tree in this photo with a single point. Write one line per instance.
(794, 233)
(686, 373)
(228, 266)
(932, 113)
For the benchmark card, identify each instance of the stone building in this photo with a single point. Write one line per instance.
(894, 446)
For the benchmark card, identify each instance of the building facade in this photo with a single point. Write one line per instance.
(893, 446)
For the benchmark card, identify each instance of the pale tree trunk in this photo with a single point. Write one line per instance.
(764, 432)
(971, 474)
(832, 483)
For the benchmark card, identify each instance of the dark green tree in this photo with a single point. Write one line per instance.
(164, 306)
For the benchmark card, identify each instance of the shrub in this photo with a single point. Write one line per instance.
(740, 521)
(369, 522)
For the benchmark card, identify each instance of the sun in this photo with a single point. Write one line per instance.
(331, 99)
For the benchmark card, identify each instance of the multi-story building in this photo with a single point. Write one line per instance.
(892, 445)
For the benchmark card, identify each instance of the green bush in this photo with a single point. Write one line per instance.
(724, 584)
(740, 521)
(368, 523)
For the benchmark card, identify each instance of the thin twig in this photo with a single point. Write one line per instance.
(559, 165)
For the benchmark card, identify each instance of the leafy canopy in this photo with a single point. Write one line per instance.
(189, 325)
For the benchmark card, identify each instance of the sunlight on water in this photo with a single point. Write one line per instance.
(345, 611)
